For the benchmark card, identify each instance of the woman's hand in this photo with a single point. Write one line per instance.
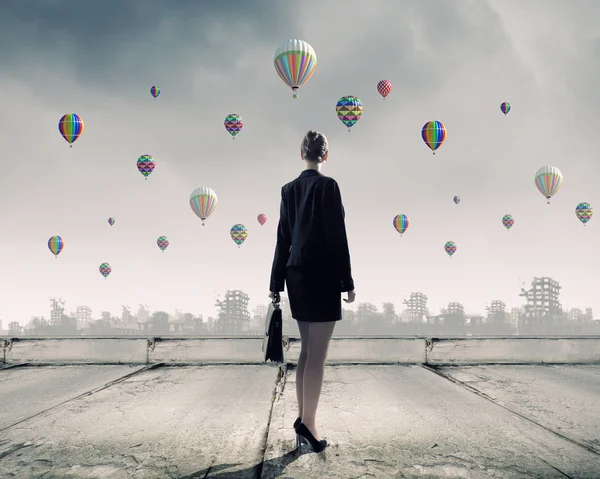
(351, 297)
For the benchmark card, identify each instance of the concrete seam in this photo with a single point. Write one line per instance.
(87, 393)
(490, 399)
(277, 392)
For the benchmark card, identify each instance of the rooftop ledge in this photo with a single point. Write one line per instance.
(170, 349)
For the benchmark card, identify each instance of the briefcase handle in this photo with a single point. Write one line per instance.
(276, 298)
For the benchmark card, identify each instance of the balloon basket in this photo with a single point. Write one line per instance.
(70, 146)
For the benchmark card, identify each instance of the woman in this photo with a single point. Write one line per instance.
(312, 258)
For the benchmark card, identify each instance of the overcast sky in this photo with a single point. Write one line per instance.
(452, 61)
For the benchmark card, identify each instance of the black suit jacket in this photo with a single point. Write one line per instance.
(312, 230)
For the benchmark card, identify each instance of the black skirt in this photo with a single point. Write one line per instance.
(314, 295)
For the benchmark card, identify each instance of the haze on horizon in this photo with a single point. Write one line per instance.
(450, 61)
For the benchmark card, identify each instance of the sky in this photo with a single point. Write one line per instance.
(455, 62)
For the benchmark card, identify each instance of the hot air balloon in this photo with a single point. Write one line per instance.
(70, 127)
(433, 134)
(548, 180)
(238, 233)
(262, 218)
(349, 110)
(295, 62)
(203, 202)
(401, 223)
(155, 91)
(233, 124)
(584, 212)
(384, 87)
(146, 164)
(105, 270)
(56, 245)
(505, 107)
(163, 243)
(450, 248)
(457, 199)
(111, 221)
(508, 221)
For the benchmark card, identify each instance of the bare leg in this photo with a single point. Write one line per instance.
(319, 335)
(303, 327)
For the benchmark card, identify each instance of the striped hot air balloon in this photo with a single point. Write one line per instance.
(548, 180)
(505, 108)
(155, 91)
(70, 127)
(401, 223)
(295, 62)
(56, 245)
(433, 134)
(203, 202)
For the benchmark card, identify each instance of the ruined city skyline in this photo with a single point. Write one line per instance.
(540, 312)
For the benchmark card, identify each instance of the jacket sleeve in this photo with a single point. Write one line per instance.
(282, 249)
(335, 231)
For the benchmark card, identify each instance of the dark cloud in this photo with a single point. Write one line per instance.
(115, 38)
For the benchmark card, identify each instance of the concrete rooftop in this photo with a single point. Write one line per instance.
(447, 415)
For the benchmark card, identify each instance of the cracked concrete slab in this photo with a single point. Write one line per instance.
(175, 422)
(229, 422)
(28, 390)
(564, 398)
(405, 421)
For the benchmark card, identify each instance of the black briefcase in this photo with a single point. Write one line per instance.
(273, 341)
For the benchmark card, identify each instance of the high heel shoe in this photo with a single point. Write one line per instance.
(299, 439)
(304, 433)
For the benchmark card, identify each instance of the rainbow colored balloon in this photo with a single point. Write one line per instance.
(508, 221)
(155, 91)
(433, 134)
(146, 164)
(505, 108)
(450, 248)
(56, 245)
(111, 221)
(70, 127)
(584, 212)
(548, 180)
(349, 110)
(457, 199)
(105, 270)
(203, 202)
(262, 218)
(163, 243)
(384, 87)
(238, 233)
(401, 223)
(295, 62)
(233, 124)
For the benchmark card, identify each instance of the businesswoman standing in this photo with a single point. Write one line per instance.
(313, 260)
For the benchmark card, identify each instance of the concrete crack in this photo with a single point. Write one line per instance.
(498, 403)
(85, 394)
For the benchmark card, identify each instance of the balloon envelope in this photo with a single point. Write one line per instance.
(105, 269)
(548, 180)
(155, 91)
(70, 127)
(145, 165)
(262, 218)
(295, 62)
(401, 223)
(162, 242)
(508, 221)
(384, 87)
(56, 245)
(238, 233)
(233, 124)
(349, 110)
(450, 248)
(505, 107)
(203, 202)
(111, 221)
(457, 199)
(584, 212)
(433, 134)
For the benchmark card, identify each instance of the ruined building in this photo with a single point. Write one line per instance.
(234, 317)
(416, 307)
(543, 311)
